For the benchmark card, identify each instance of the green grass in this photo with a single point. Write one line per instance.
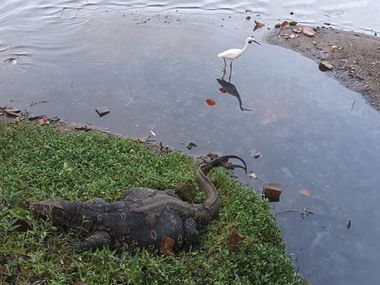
(39, 163)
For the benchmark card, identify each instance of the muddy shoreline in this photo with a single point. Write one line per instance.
(355, 57)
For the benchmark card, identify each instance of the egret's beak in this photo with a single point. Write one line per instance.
(256, 42)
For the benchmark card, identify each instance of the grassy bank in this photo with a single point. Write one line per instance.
(39, 163)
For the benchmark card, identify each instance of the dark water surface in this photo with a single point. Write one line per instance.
(153, 66)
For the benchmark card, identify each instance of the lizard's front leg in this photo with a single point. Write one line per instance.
(97, 240)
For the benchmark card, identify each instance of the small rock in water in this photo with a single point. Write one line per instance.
(308, 31)
(257, 155)
(102, 111)
(325, 65)
(293, 23)
(272, 191)
(252, 175)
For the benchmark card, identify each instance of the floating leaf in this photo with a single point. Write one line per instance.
(222, 90)
(304, 192)
(210, 102)
(258, 25)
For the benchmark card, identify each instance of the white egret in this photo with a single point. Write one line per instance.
(234, 53)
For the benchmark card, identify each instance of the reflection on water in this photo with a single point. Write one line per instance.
(229, 88)
(153, 71)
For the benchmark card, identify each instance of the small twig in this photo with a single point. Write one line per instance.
(39, 102)
(288, 210)
(353, 103)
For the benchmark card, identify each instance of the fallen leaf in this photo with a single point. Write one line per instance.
(41, 121)
(167, 246)
(304, 192)
(222, 90)
(234, 239)
(258, 25)
(210, 102)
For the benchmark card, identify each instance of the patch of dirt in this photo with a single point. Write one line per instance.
(355, 57)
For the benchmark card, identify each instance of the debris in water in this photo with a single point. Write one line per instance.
(252, 175)
(12, 60)
(210, 102)
(272, 191)
(353, 103)
(102, 111)
(304, 192)
(306, 212)
(348, 224)
(190, 145)
(258, 25)
(153, 133)
(257, 155)
(324, 65)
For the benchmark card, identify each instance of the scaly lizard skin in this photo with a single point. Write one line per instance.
(144, 218)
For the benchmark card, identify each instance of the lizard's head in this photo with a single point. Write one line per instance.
(58, 211)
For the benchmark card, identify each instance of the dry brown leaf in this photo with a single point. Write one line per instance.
(234, 239)
(210, 102)
(167, 245)
(258, 25)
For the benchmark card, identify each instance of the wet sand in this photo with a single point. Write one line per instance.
(355, 57)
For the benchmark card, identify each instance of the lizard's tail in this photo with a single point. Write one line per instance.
(209, 209)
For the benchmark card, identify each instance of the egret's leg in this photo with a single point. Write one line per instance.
(229, 78)
(224, 73)
(225, 64)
